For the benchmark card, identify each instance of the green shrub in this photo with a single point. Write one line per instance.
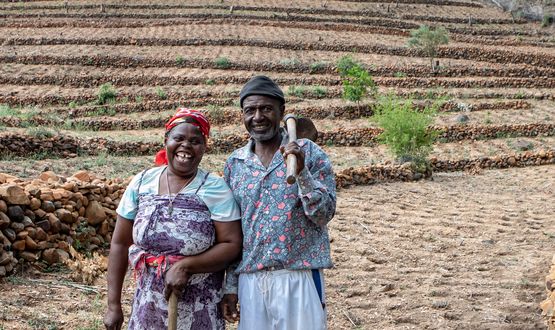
(179, 60)
(317, 66)
(428, 40)
(548, 19)
(222, 63)
(320, 91)
(106, 93)
(161, 93)
(40, 132)
(215, 112)
(72, 105)
(290, 62)
(400, 74)
(357, 82)
(405, 129)
(297, 91)
(7, 111)
(139, 99)
(210, 82)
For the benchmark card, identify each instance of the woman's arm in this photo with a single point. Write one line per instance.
(227, 248)
(117, 267)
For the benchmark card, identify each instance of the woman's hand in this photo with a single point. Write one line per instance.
(113, 320)
(229, 307)
(176, 279)
(292, 148)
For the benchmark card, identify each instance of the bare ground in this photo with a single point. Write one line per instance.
(459, 252)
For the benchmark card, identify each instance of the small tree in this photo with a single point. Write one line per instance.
(406, 130)
(428, 40)
(356, 80)
(106, 93)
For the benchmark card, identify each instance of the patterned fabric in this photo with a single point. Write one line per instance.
(284, 226)
(189, 231)
(214, 193)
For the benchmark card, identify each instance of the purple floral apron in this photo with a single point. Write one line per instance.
(189, 231)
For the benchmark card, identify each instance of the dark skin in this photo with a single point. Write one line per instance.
(262, 116)
(184, 139)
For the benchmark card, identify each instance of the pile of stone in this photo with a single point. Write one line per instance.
(548, 305)
(41, 219)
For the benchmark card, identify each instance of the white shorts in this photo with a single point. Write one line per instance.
(282, 300)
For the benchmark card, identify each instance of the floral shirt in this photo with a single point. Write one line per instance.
(284, 226)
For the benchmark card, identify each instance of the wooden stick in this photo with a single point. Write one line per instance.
(291, 161)
(172, 312)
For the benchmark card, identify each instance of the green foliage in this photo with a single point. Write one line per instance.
(405, 129)
(72, 105)
(400, 74)
(346, 63)
(222, 63)
(356, 80)
(297, 91)
(216, 113)
(317, 66)
(428, 40)
(320, 91)
(161, 93)
(179, 60)
(210, 82)
(548, 19)
(7, 111)
(106, 93)
(102, 111)
(290, 62)
(139, 99)
(40, 132)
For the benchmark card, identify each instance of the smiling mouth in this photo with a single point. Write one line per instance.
(183, 156)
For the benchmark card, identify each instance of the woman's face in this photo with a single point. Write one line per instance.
(185, 146)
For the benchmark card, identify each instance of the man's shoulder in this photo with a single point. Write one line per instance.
(241, 153)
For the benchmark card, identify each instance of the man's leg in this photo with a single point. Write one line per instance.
(294, 302)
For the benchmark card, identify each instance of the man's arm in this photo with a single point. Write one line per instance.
(316, 182)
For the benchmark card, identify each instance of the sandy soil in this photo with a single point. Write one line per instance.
(458, 252)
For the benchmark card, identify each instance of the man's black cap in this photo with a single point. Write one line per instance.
(261, 85)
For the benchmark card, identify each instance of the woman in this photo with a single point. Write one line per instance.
(178, 226)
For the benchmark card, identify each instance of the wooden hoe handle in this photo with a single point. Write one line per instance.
(291, 161)
(172, 312)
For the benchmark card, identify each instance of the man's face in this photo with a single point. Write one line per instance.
(262, 116)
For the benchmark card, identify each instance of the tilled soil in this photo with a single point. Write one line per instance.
(457, 252)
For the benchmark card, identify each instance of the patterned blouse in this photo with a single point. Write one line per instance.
(284, 226)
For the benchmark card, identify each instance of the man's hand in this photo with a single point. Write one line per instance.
(113, 319)
(176, 279)
(292, 148)
(229, 307)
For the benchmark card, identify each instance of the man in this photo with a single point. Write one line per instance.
(279, 281)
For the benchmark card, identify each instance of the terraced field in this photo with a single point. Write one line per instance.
(467, 249)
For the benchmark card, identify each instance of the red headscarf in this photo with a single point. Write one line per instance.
(181, 116)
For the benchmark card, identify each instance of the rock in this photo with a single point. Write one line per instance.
(3, 206)
(27, 221)
(29, 256)
(17, 226)
(461, 118)
(10, 234)
(82, 176)
(5, 258)
(35, 203)
(33, 190)
(2, 271)
(22, 234)
(30, 243)
(19, 245)
(53, 255)
(40, 213)
(523, 145)
(63, 245)
(44, 225)
(512, 161)
(55, 223)
(95, 213)
(49, 176)
(48, 206)
(15, 213)
(64, 215)
(40, 234)
(104, 228)
(4, 221)
(14, 194)
(30, 214)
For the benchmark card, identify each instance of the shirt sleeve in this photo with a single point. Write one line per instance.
(220, 201)
(316, 184)
(128, 204)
